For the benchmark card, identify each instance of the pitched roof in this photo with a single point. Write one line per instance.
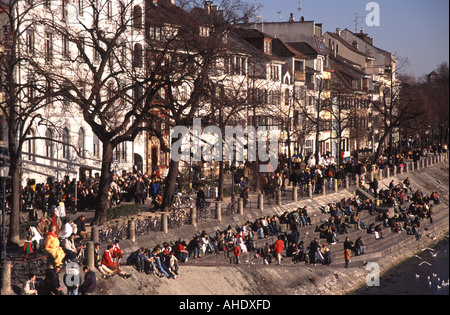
(347, 45)
(254, 38)
(304, 48)
(283, 49)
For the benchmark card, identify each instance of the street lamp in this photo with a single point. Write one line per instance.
(4, 172)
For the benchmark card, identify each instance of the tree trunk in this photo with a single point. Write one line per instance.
(169, 190)
(221, 181)
(14, 227)
(101, 200)
(378, 153)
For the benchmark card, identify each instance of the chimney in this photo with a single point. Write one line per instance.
(207, 4)
(155, 2)
(214, 8)
(355, 44)
(338, 31)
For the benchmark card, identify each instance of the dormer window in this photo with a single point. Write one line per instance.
(268, 46)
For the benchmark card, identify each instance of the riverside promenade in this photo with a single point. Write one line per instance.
(218, 275)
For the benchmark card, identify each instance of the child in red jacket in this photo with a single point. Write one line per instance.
(347, 257)
(237, 254)
(278, 249)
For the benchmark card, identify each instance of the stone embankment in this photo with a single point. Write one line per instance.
(217, 275)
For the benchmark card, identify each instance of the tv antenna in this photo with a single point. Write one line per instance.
(279, 13)
(300, 9)
(357, 17)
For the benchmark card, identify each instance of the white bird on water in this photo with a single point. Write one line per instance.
(434, 254)
(424, 262)
(434, 275)
(417, 276)
(428, 249)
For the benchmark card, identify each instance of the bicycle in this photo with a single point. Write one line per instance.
(232, 207)
(183, 201)
(203, 212)
(21, 270)
(81, 256)
(142, 227)
(110, 233)
(302, 190)
(178, 218)
(154, 224)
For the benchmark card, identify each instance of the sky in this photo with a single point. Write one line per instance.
(414, 29)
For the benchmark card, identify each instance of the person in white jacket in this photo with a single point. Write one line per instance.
(36, 238)
(69, 248)
(61, 209)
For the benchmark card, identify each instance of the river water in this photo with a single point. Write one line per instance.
(423, 274)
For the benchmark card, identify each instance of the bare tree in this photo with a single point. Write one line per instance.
(24, 93)
(196, 84)
(393, 109)
(102, 70)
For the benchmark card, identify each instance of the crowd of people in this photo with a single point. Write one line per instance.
(75, 196)
(58, 238)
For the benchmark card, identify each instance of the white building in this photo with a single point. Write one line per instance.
(57, 38)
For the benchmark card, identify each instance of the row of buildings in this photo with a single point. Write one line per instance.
(318, 88)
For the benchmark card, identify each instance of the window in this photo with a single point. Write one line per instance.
(65, 47)
(81, 46)
(30, 146)
(120, 153)
(123, 53)
(64, 10)
(96, 55)
(65, 140)
(66, 91)
(268, 46)
(96, 148)
(204, 31)
(137, 16)
(137, 56)
(48, 47)
(80, 144)
(108, 9)
(49, 143)
(80, 7)
(286, 97)
(274, 73)
(30, 42)
(309, 144)
(30, 89)
(155, 32)
(49, 88)
(138, 96)
(299, 65)
(124, 151)
(184, 93)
